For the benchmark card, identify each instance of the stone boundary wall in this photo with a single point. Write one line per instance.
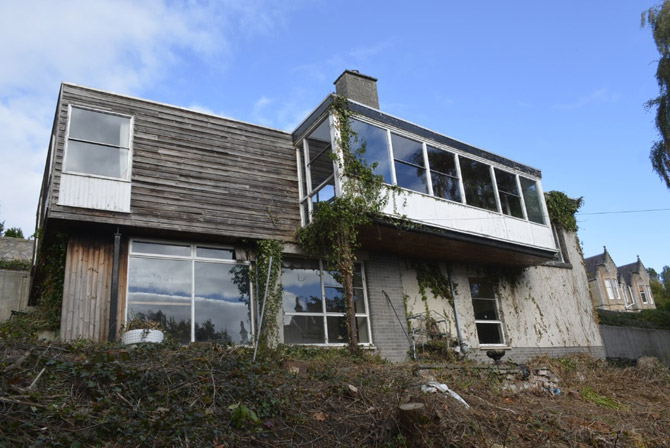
(523, 354)
(632, 343)
(16, 249)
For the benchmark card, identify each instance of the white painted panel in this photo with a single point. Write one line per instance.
(471, 220)
(94, 192)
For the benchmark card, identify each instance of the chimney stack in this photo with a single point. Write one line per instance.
(358, 87)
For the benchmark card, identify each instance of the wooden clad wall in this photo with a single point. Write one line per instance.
(86, 292)
(194, 172)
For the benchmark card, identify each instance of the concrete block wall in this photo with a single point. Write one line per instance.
(383, 274)
(14, 288)
(632, 343)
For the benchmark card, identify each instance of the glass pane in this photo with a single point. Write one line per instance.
(337, 330)
(161, 290)
(325, 194)
(477, 184)
(222, 310)
(506, 182)
(211, 252)
(407, 150)
(95, 159)
(302, 286)
(335, 302)
(99, 127)
(411, 177)
(376, 147)
(359, 301)
(445, 187)
(511, 205)
(531, 197)
(363, 336)
(481, 289)
(321, 163)
(303, 330)
(485, 309)
(358, 275)
(442, 161)
(489, 334)
(161, 249)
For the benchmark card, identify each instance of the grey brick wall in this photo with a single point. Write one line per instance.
(16, 249)
(523, 354)
(383, 273)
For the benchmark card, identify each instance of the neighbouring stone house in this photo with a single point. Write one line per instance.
(623, 288)
(162, 207)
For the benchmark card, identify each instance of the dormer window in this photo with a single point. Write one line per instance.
(98, 144)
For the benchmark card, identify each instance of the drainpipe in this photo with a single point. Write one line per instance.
(114, 298)
(461, 342)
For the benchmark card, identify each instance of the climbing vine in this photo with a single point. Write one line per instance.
(265, 250)
(51, 262)
(334, 227)
(562, 209)
(429, 275)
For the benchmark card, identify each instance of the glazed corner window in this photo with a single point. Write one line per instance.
(197, 293)
(508, 191)
(314, 304)
(410, 171)
(487, 315)
(98, 143)
(478, 184)
(531, 196)
(373, 142)
(318, 181)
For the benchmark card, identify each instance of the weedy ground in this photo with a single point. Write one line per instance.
(80, 394)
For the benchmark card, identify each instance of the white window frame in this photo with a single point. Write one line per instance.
(497, 321)
(131, 136)
(192, 258)
(304, 160)
(643, 294)
(611, 290)
(325, 314)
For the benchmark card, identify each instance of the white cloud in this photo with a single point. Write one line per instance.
(603, 95)
(119, 45)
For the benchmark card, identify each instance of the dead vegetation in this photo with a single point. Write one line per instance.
(203, 395)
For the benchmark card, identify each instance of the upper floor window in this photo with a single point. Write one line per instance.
(643, 294)
(375, 142)
(443, 174)
(531, 196)
(98, 143)
(508, 192)
(410, 166)
(611, 286)
(478, 184)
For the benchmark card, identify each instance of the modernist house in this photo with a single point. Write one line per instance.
(623, 288)
(162, 205)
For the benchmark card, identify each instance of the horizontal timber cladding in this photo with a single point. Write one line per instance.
(194, 171)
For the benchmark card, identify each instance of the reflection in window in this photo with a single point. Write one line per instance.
(487, 315)
(318, 183)
(508, 192)
(531, 197)
(98, 143)
(172, 290)
(443, 174)
(477, 184)
(375, 142)
(314, 305)
(410, 171)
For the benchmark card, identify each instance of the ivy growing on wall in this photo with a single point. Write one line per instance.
(334, 227)
(429, 276)
(51, 261)
(265, 250)
(562, 209)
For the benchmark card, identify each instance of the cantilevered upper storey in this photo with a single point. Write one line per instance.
(468, 203)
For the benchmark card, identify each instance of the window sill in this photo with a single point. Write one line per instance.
(483, 347)
(95, 176)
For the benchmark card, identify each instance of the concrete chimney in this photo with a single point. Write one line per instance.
(358, 87)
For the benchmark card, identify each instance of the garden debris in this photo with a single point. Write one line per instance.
(434, 386)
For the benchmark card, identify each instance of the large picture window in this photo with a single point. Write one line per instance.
(98, 144)
(531, 196)
(410, 171)
(375, 142)
(197, 293)
(478, 184)
(314, 304)
(443, 174)
(487, 314)
(508, 192)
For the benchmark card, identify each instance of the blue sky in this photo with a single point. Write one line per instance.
(560, 86)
